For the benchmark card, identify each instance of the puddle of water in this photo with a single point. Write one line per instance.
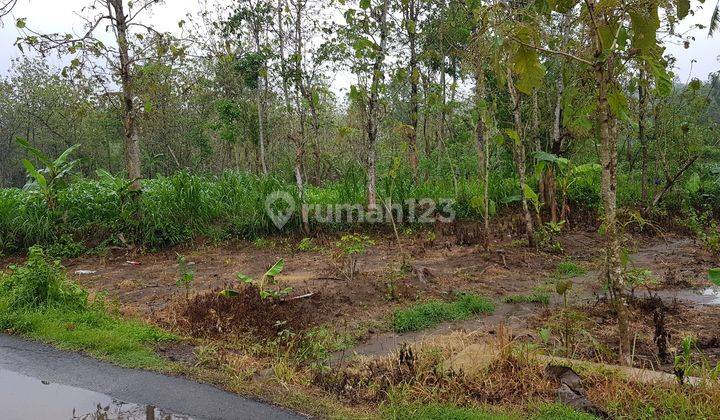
(713, 293)
(23, 397)
(709, 296)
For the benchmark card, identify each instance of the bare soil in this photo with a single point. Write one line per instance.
(393, 275)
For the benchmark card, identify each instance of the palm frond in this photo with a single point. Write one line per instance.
(715, 20)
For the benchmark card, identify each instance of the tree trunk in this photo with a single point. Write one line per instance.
(260, 99)
(607, 128)
(132, 136)
(557, 146)
(426, 122)
(519, 157)
(483, 149)
(299, 152)
(283, 59)
(642, 136)
(373, 117)
(412, 16)
(536, 123)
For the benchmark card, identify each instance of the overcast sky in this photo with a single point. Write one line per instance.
(59, 16)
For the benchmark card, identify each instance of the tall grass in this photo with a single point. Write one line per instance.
(176, 209)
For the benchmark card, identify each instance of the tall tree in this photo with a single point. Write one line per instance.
(616, 31)
(135, 42)
(411, 25)
(251, 19)
(367, 30)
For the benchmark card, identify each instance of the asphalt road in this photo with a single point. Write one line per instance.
(166, 393)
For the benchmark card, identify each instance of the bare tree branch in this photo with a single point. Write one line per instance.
(6, 7)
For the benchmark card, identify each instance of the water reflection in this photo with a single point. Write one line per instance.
(708, 296)
(26, 398)
(712, 293)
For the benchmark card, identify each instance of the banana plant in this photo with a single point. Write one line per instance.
(49, 179)
(567, 174)
(261, 284)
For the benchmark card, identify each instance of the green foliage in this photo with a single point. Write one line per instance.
(569, 269)
(638, 277)
(705, 228)
(431, 313)
(51, 178)
(439, 411)
(40, 283)
(262, 283)
(559, 411)
(187, 276)
(38, 301)
(316, 346)
(352, 247)
(442, 412)
(714, 276)
(684, 363)
(355, 244)
(535, 297)
(306, 245)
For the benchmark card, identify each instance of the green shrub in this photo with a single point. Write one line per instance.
(40, 283)
(432, 313)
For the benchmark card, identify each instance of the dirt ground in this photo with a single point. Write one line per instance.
(393, 275)
(145, 285)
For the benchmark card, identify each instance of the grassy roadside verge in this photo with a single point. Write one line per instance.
(39, 302)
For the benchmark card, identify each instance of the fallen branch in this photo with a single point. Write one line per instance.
(305, 296)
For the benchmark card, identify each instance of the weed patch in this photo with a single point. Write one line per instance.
(444, 412)
(568, 269)
(432, 313)
(437, 411)
(39, 302)
(535, 297)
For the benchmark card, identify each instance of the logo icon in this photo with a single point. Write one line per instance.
(280, 207)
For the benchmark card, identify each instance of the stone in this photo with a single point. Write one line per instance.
(473, 360)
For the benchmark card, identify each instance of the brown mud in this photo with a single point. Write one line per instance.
(393, 275)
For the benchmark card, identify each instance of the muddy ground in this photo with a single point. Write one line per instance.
(396, 274)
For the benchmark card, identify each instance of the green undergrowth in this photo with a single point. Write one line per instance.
(538, 297)
(39, 302)
(431, 313)
(569, 269)
(90, 215)
(451, 412)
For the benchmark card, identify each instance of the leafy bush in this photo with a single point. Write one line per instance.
(40, 283)
(432, 313)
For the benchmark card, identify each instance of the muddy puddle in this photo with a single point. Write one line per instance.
(707, 296)
(23, 397)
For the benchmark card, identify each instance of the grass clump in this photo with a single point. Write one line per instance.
(432, 313)
(568, 269)
(438, 411)
(443, 412)
(553, 411)
(535, 297)
(38, 301)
